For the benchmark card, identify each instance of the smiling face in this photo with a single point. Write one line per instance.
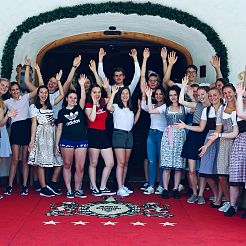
(4, 87)
(118, 77)
(43, 95)
(192, 74)
(15, 91)
(202, 96)
(214, 96)
(219, 85)
(72, 99)
(52, 84)
(159, 97)
(173, 96)
(153, 82)
(125, 95)
(229, 94)
(96, 93)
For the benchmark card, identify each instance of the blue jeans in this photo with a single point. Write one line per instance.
(153, 150)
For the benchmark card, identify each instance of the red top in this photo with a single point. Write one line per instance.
(101, 116)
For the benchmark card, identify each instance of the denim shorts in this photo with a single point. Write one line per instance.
(122, 139)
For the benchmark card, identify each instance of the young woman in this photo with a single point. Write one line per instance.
(208, 161)
(20, 134)
(98, 141)
(194, 140)
(172, 142)
(157, 126)
(5, 149)
(227, 130)
(122, 139)
(237, 166)
(72, 140)
(42, 144)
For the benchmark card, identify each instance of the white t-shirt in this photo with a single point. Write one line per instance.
(225, 116)
(157, 121)
(123, 118)
(21, 105)
(58, 106)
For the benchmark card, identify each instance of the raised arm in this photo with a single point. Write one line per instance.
(240, 89)
(137, 115)
(182, 101)
(106, 87)
(61, 96)
(67, 84)
(164, 64)
(93, 68)
(31, 87)
(81, 81)
(136, 76)
(150, 105)
(110, 106)
(215, 62)
(101, 54)
(146, 54)
(172, 58)
(91, 113)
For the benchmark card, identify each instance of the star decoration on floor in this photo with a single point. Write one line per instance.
(51, 222)
(80, 222)
(109, 223)
(168, 224)
(138, 223)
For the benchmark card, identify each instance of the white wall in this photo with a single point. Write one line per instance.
(226, 17)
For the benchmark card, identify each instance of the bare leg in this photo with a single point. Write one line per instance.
(67, 155)
(177, 178)
(225, 186)
(108, 158)
(93, 155)
(41, 177)
(212, 184)
(234, 194)
(80, 155)
(166, 178)
(192, 175)
(25, 166)
(14, 163)
(202, 185)
(120, 156)
(128, 154)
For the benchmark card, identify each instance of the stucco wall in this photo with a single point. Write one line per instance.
(226, 17)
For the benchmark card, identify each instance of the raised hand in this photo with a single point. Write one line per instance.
(215, 62)
(172, 58)
(59, 75)
(185, 80)
(164, 53)
(101, 54)
(133, 53)
(27, 61)
(92, 66)
(77, 61)
(148, 92)
(93, 97)
(115, 89)
(146, 53)
(82, 80)
(36, 66)
(105, 83)
(240, 89)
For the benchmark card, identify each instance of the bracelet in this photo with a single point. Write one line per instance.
(164, 61)
(219, 135)
(74, 66)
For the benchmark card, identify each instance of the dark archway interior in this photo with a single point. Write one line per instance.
(117, 56)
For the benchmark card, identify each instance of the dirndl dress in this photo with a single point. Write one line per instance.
(43, 151)
(5, 149)
(237, 167)
(172, 141)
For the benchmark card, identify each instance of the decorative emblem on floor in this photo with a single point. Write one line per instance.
(109, 208)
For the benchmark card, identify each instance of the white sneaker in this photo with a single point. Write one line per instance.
(180, 187)
(149, 190)
(225, 207)
(121, 192)
(127, 190)
(159, 190)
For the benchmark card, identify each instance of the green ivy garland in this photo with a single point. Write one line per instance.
(111, 7)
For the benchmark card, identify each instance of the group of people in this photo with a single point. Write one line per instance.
(199, 126)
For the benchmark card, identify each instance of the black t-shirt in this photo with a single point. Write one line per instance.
(73, 123)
